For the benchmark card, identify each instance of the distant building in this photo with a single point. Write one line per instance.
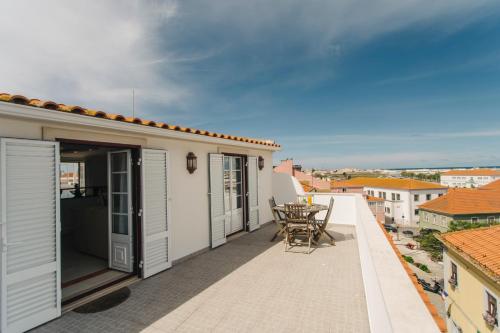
(402, 196)
(377, 207)
(472, 279)
(469, 178)
(461, 204)
(287, 166)
(345, 186)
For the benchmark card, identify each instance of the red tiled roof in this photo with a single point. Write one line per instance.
(396, 183)
(19, 99)
(481, 246)
(370, 198)
(465, 201)
(343, 184)
(472, 172)
(492, 186)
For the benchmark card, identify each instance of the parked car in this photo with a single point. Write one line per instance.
(408, 233)
(390, 228)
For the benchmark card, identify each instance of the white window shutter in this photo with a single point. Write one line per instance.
(30, 234)
(217, 214)
(253, 193)
(156, 238)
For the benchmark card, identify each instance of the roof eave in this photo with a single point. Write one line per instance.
(35, 113)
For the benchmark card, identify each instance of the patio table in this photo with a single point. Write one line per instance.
(311, 210)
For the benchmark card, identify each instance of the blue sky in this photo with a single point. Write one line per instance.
(384, 83)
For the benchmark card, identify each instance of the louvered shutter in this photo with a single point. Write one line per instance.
(30, 230)
(155, 222)
(217, 215)
(253, 193)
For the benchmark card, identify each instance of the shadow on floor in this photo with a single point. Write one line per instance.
(172, 297)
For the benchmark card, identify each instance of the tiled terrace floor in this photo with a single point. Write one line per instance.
(247, 285)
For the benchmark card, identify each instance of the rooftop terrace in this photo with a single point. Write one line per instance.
(251, 284)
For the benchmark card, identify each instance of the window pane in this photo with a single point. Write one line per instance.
(120, 182)
(239, 202)
(120, 203)
(120, 224)
(236, 163)
(119, 162)
(239, 189)
(226, 163)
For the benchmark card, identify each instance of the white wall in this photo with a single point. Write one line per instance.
(189, 214)
(467, 181)
(286, 188)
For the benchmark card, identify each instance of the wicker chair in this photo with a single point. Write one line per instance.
(298, 224)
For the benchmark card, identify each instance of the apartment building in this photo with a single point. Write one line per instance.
(461, 204)
(469, 178)
(472, 274)
(402, 196)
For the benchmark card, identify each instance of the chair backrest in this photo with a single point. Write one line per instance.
(329, 212)
(296, 213)
(276, 215)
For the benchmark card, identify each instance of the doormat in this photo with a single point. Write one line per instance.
(106, 302)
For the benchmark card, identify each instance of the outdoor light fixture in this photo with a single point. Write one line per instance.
(261, 162)
(191, 162)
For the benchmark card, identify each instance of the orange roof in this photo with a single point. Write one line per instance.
(307, 187)
(465, 201)
(396, 183)
(343, 183)
(495, 185)
(18, 99)
(472, 172)
(480, 246)
(370, 198)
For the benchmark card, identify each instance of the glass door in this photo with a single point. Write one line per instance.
(233, 193)
(120, 210)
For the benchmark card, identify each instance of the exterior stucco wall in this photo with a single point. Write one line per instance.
(467, 300)
(436, 221)
(189, 215)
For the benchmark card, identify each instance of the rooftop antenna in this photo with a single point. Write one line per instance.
(133, 103)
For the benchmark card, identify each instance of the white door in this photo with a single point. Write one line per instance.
(120, 210)
(217, 212)
(155, 211)
(233, 193)
(253, 194)
(30, 234)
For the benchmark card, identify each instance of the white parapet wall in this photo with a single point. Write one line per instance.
(393, 302)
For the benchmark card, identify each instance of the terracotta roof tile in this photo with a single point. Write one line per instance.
(19, 99)
(472, 172)
(370, 198)
(492, 186)
(465, 201)
(343, 183)
(396, 183)
(481, 246)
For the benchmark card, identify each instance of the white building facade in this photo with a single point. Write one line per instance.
(471, 178)
(155, 194)
(401, 206)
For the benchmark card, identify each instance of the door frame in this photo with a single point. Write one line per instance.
(244, 183)
(136, 194)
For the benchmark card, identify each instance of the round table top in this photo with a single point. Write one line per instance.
(310, 208)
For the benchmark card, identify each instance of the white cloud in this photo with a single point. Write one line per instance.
(90, 53)
(93, 53)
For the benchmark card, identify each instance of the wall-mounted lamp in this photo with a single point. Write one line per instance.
(191, 162)
(261, 162)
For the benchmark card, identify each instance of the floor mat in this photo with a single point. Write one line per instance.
(106, 302)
